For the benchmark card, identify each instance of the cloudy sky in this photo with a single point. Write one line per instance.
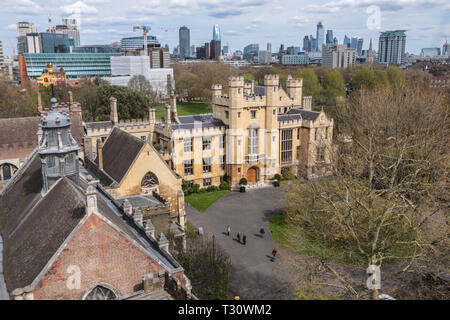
(241, 21)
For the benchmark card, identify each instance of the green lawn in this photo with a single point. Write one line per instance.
(202, 201)
(184, 109)
(292, 238)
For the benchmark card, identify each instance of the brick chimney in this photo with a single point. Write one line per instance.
(100, 153)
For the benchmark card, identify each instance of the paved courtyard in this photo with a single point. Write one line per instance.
(253, 275)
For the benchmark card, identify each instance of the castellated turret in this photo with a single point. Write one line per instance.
(271, 80)
(294, 88)
(216, 89)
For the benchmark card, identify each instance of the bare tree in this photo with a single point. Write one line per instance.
(388, 184)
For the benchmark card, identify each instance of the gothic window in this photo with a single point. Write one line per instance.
(320, 157)
(101, 293)
(206, 165)
(188, 145)
(252, 141)
(188, 167)
(207, 143)
(286, 145)
(252, 114)
(7, 170)
(150, 180)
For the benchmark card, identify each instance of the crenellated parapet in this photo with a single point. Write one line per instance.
(271, 80)
(236, 82)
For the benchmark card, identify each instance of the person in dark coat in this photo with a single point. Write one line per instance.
(261, 231)
(244, 239)
(274, 253)
(239, 237)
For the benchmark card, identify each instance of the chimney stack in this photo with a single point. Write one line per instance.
(100, 153)
(70, 101)
(113, 104)
(168, 115)
(91, 200)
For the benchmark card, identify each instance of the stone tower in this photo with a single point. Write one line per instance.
(57, 148)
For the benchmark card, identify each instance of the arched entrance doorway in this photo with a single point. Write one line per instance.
(252, 175)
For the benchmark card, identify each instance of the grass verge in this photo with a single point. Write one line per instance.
(202, 201)
(293, 238)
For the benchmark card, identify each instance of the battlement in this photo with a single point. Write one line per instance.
(216, 87)
(271, 80)
(235, 82)
(294, 83)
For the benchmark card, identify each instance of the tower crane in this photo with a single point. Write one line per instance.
(145, 30)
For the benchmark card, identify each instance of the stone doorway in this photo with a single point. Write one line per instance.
(252, 175)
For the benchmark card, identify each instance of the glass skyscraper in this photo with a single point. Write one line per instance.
(216, 36)
(319, 36)
(185, 42)
(391, 47)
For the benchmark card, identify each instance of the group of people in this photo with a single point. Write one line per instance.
(242, 238)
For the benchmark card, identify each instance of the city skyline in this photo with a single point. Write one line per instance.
(105, 21)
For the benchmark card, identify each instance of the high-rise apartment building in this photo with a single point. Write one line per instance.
(159, 57)
(391, 47)
(214, 50)
(306, 44)
(264, 56)
(24, 27)
(346, 41)
(269, 47)
(251, 50)
(338, 56)
(137, 43)
(185, 42)
(319, 36)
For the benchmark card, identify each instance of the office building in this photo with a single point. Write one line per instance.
(135, 43)
(96, 48)
(306, 44)
(446, 49)
(338, 56)
(329, 37)
(192, 52)
(346, 41)
(319, 36)
(356, 43)
(54, 42)
(430, 52)
(269, 47)
(185, 42)
(251, 50)
(29, 43)
(264, 57)
(295, 59)
(217, 37)
(23, 28)
(214, 47)
(391, 47)
(77, 66)
(226, 49)
(69, 27)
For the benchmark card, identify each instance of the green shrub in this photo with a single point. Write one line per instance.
(243, 182)
(195, 188)
(277, 177)
(276, 183)
(224, 185)
(202, 190)
(157, 146)
(212, 188)
(287, 175)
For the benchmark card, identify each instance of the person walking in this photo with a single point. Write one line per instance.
(261, 231)
(239, 237)
(228, 230)
(244, 239)
(274, 253)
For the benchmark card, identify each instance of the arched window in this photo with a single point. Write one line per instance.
(149, 181)
(100, 293)
(7, 171)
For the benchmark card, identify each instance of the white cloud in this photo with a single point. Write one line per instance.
(23, 7)
(79, 7)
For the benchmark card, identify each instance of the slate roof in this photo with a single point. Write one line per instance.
(299, 114)
(259, 90)
(34, 226)
(119, 151)
(197, 121)
(18, 136)
(99, 125)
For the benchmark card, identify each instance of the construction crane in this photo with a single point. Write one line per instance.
(145, 30)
